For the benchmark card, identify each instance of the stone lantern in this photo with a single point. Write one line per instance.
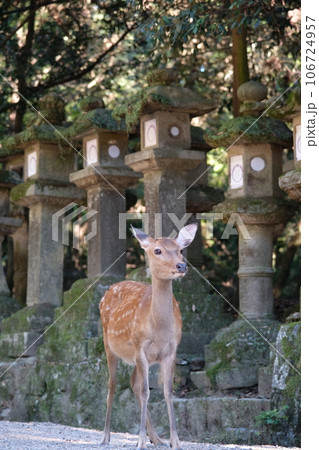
(105, 178)
(255, 163)
(13, 161)
(46, 189)
(290, 111)
(8, 225)
(166, 158)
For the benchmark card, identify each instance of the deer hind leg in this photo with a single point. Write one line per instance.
(168, 366)
(112, 362)
(136, 387)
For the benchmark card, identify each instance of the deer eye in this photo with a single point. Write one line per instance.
(181, 251)
(157, 251)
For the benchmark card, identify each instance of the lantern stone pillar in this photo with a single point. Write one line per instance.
(45, 191)
(13, 161)
(166, 157)
(8, 225)
(105, 179)
(255, 199)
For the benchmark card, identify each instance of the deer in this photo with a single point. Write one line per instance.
(142, 325)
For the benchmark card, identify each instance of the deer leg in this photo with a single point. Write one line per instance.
(112, 362)
(144, 393)
(168, 366)
(154, 437)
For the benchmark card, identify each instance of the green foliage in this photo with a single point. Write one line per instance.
(212, 371)
(108, 46)
(273, 419)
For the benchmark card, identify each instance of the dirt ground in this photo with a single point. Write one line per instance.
(31, 436)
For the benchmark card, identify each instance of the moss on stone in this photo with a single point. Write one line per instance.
(248, 129)
(18, 192)
(52, 108)
(97, 118)
(42, 133)
(132, 110)
(286, 391)
(9, 151)
(8, 306)
(286, 109)
(240, 346)
(31, 318)
(291, 346)
(213, 371)
(267, 209)
(161, 77)
(77, 331)
(91, 102)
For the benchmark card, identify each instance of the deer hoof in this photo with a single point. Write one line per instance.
(105, 440)
(158, 443)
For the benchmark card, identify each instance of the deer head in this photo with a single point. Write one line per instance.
(165, 254)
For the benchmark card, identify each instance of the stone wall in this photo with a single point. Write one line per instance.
(66, 379)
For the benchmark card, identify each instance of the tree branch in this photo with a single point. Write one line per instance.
(76, 76)
(33, 5)
(16, 29)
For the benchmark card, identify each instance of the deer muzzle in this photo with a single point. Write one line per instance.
(181, 267)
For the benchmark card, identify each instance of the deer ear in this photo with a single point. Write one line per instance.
(186, 235)
(142, 238)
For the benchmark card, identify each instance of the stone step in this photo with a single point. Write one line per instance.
(201, 380)
(228, 418)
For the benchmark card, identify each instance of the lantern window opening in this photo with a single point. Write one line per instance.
(114, 151)
(174, 131)
(150, 133)
(236, 172)
(91, 152)
(258, 164)
(31, 164)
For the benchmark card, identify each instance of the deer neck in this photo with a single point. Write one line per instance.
(162, 301)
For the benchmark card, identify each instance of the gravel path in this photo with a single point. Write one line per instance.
(31, 436)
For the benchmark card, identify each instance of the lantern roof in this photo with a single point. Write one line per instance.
(252, 126)
(6, 151)
(286, 108)
(42, 133)
(42, 127)
(93, 115)
(163, 95)
(248, 129)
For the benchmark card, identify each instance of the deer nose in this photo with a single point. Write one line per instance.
(181, 267)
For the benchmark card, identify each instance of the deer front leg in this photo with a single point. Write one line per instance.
(154, 437)
(112, 362)
(168, 367)
(142, 367)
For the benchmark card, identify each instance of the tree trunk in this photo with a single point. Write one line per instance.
(23, 62)
(240, 64)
